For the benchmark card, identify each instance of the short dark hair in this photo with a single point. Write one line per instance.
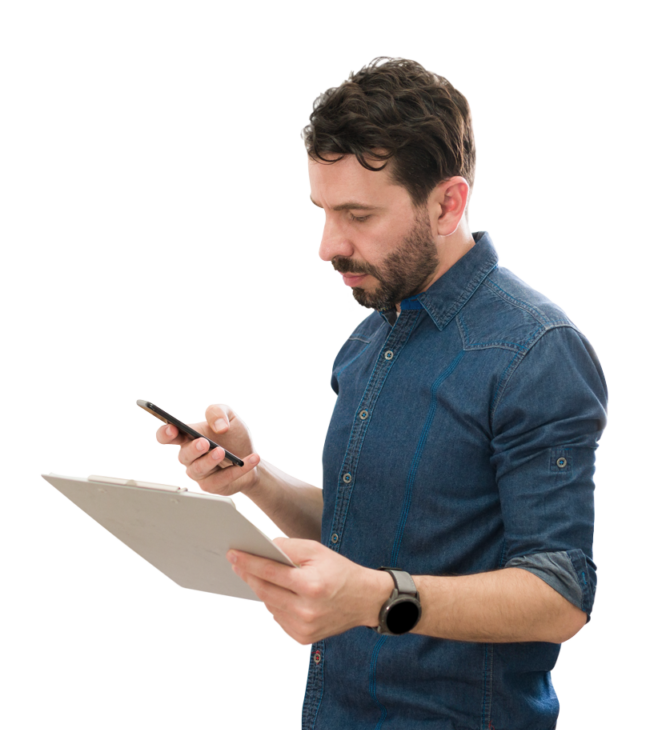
(416, 118)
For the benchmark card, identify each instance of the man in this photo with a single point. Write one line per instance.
(460, 452)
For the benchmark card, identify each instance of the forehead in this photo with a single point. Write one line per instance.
(332, 183)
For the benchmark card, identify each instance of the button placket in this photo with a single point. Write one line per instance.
(382, 367)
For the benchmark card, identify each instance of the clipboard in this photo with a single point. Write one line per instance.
(186, 535)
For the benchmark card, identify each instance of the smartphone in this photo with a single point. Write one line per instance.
(192, 433)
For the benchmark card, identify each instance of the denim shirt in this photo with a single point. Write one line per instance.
(462, 441)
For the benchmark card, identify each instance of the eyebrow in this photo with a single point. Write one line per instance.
(350, 205)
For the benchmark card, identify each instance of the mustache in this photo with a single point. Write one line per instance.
(344, 269)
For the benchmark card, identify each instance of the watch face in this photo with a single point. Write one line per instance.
(403, 616)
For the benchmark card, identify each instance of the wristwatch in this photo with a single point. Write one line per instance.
(402, 611)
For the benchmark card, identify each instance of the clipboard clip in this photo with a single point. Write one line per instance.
(134, 483)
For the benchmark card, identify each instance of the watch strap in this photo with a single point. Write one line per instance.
(403, 581)
(404, 592)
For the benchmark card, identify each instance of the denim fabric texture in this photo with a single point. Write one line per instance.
(462, 441)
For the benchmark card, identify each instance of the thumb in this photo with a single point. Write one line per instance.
(284, 544)
(300, 551)
(218, 418)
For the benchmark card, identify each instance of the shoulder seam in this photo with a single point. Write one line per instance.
(529, 308)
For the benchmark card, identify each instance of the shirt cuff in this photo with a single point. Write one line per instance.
(561, 570)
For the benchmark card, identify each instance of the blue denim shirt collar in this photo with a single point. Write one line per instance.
(444, 299)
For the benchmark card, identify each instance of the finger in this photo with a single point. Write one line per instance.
(218, 417)
(192, 450)
(264, 569)
(200, 463)
(170, 434)
(273, 596)
(298, 550)
(222, 481)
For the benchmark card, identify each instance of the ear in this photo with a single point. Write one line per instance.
(452, 197)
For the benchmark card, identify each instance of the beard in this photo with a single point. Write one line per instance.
(402, 274)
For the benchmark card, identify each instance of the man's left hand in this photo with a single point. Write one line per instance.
(326, 595)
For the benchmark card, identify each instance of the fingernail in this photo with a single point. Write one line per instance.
(201, 445)
(219, 425)
(169, 432)
(217, 454)
(232, 556)
(255, 459)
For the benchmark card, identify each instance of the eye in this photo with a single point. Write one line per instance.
(358, 219)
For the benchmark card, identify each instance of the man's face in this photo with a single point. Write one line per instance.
(373, 235)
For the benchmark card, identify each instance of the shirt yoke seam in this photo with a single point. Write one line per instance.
(537, 313)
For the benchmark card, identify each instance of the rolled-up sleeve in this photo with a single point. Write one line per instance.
(548, 417)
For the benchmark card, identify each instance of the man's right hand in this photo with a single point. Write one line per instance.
(226, 428)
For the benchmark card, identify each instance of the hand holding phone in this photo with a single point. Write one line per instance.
(162, 415)
(204, 464)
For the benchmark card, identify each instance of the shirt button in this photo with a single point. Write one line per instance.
(334, 537)
(562, 462)
(389, 354)
(363, 415)
(346, 478)
(317, 657)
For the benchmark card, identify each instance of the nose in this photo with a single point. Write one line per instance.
(334, 242)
